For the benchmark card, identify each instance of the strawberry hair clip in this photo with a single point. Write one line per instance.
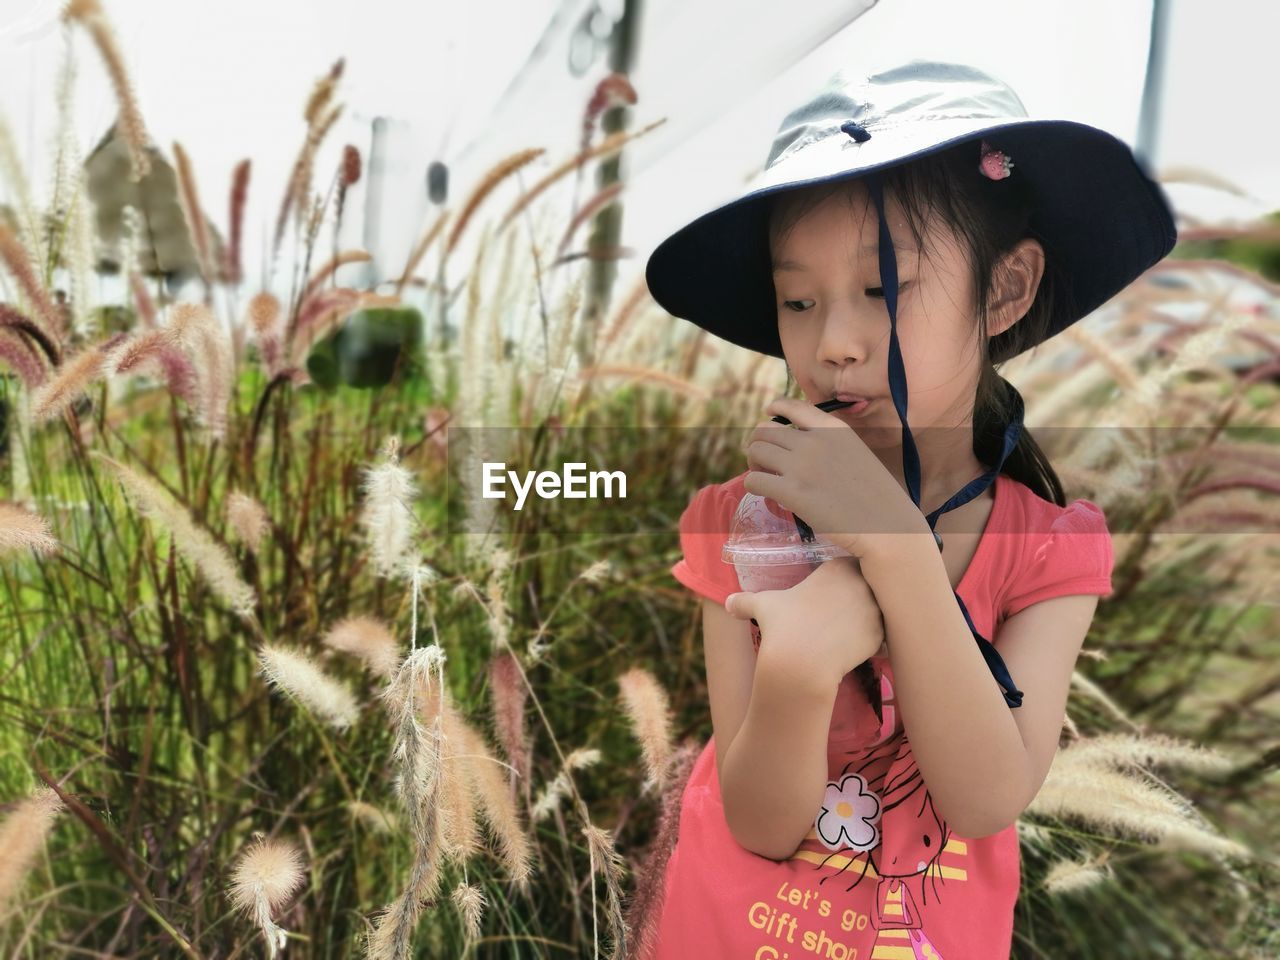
(995, 164)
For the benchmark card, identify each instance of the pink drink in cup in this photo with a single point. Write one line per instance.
(767, 550)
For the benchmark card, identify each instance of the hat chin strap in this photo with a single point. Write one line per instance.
(911, 459)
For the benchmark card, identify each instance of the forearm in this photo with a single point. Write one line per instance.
(775, 770)
(977, 770)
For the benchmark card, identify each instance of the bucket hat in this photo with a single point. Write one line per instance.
(1097, 211)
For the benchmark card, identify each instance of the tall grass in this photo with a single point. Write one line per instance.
(257, 692)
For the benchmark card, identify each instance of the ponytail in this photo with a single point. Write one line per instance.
(1026, 463)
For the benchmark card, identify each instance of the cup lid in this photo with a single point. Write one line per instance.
(765, 532)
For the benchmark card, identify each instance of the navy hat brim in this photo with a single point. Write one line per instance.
(1100, 215)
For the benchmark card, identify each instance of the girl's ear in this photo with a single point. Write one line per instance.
(1016, 284)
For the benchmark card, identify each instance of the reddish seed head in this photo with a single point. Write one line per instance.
(350, 165)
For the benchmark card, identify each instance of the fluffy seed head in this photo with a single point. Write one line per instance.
(22, 835)
(369, 639)
(269, 871)
(295, 672)
(20, 528)
(247, 518)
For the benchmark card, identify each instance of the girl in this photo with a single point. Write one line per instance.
(910, 220)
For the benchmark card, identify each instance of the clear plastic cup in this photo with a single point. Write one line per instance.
(766, 549)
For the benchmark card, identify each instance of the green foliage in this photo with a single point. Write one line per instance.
(367, 349)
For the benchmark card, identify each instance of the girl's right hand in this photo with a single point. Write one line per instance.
(821, 628)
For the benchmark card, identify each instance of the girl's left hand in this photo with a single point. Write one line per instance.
(822, 471)
(820, 628)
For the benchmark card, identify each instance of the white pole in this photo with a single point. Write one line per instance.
(1153, 86)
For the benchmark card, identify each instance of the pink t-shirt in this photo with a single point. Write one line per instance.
(880, 876)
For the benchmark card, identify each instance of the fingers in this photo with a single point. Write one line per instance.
(740, 606)
(766, 457)
(775, 433)
(762, 484)
(801, 413)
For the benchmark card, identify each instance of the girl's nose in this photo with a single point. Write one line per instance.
(846, 337)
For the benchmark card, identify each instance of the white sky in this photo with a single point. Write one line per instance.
(228, 80)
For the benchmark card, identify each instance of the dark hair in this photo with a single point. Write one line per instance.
(988, 217)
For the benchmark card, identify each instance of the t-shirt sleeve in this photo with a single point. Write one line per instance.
(1074, 556)
(704, 527)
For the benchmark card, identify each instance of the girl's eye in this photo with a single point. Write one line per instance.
(879, 291)
(874, 292)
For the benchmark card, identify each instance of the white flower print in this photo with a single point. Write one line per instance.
(850, 815)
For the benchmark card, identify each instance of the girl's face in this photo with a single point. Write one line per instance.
(834, 325)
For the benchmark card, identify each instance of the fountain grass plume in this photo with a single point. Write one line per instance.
(488, 780)
(247, 519)
(1104, 782)
(647, 707)
(69, 382)
(414, 701)
(25, 348)
(608, 862)
(387, 517)
(297, 674)
(231, 267)
(266, 874)
(21, 529)
(22, 835)
(509, 693)
(90, 15)
(197, 226)
(212, 560)
(370, 640)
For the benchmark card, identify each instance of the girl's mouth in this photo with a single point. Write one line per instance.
(835, 403)
(826, 406)
(829, 406)
(853, 407)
